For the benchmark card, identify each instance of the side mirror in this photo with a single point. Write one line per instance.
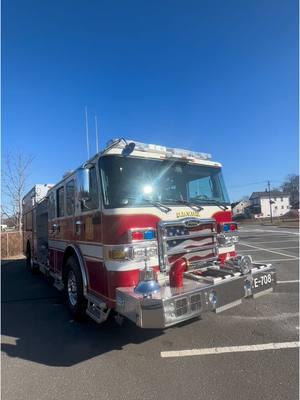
(83, 184)
(128, 149)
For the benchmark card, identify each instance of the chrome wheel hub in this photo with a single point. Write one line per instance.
(72, 288)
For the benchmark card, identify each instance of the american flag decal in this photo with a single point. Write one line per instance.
(191, 238)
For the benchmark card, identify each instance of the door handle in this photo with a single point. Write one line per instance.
(55, 228)
(78, 225)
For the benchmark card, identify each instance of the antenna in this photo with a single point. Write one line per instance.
(87, 133)
(96, 126)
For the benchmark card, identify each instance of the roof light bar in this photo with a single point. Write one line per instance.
(167, 151)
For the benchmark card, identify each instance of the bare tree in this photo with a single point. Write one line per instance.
(15, 172)
(291, 186)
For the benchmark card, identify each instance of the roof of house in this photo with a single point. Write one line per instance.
(240, 203)
(273, 193)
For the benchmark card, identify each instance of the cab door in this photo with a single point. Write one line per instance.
(59, 228)
(88, 230)
(87, 223)
(70, 210)
(52, 224)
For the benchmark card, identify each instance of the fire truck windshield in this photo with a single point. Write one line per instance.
(133, 182)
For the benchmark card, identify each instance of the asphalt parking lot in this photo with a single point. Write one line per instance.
(46, 355)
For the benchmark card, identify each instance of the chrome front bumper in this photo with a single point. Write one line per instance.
(172, 306)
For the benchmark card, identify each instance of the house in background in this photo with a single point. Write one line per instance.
(241, 208)
(260, 204)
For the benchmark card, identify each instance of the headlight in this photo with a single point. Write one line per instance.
(130, 252)
(225, 240)
(151, 251)
(138, 252)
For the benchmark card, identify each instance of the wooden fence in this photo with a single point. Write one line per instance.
(11, 244)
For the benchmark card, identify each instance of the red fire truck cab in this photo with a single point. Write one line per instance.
(145, 230)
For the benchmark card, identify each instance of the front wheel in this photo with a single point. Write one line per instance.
(76, 301)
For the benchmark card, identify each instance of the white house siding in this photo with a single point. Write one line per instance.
(280, 207)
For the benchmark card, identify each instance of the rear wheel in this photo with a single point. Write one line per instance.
(34, 268)
(76, 301)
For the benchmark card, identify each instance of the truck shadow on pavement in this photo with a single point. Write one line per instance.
(37, 326)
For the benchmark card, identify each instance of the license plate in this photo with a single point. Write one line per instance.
(261, 281)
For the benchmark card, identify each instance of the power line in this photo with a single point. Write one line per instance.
(248, 184)
(255, 183)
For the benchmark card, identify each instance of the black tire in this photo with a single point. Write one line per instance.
(78, 307)
(29, 263)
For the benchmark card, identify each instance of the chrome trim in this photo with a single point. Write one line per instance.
(171, 306)
(191, 236)
(192, 223)
(192, 250)
(196, 264)
(96, 300)
(72, 288)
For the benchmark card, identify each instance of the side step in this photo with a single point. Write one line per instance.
(96, 312)
(58, 284)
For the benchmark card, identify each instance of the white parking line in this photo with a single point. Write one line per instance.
(295, 281)
(271, 231)
(231, 349)
(276, 241)
(277, 259)
(277, 317)
(273, 248)
(270, 251)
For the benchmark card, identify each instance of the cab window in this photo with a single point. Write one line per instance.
(60, 202)
(93, 201)
(70, 197)
(51, 205)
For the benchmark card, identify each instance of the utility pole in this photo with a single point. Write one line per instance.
(270, 201)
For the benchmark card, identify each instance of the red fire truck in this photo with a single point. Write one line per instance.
(144, 230)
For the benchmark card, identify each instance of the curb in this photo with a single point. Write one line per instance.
(7, 260)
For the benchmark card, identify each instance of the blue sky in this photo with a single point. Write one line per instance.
(209, 75)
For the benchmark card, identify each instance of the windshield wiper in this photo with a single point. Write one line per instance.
(155, 203)
(217, 203)
(193, 206)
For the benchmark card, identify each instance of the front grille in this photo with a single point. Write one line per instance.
(195, 302)
(181, 306)
(193, 238)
